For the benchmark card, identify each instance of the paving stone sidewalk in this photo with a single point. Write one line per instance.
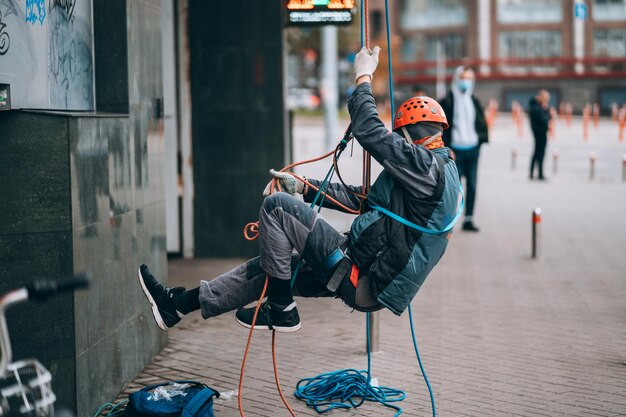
(500, 334)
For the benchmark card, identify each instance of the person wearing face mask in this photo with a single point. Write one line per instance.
(468, 131)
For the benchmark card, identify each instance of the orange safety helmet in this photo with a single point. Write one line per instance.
(419, 109)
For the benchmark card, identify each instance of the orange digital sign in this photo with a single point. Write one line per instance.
(310, 4)
(320, 12)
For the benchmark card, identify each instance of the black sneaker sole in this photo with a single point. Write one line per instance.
(279, 329)
(155, 310)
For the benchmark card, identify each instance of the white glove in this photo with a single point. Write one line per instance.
(366, 61)
(288, 182)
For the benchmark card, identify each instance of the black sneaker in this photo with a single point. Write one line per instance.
(161, 299)
(468, 226)
(271, 317)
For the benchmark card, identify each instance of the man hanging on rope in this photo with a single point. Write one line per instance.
(391, 248)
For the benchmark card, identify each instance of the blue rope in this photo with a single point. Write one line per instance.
(347, 388)
(350, 388)
(320, 192)
(419, 360)
(362, 23)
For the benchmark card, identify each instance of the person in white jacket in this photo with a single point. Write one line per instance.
(467, 132)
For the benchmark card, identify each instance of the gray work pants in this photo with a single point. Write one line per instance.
(285, 223)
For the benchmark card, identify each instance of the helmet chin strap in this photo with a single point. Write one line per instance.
(407, 137)
(428, 141)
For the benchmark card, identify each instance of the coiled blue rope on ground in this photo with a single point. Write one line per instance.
(350, 388)
(347, 388)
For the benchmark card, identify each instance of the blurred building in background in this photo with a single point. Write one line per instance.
(575, 49)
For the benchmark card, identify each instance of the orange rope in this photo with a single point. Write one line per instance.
(308, 161)
(245, 355)
(280, 390)
(253, 227)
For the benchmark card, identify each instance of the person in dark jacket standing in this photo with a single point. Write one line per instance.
(390, 249)
(539, 115)
(468, 131)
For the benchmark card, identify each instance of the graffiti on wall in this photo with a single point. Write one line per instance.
(70, 64)
(33, 16)
(67, 5)
(46, 53)
(6, 9)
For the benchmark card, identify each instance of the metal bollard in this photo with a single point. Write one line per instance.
(592, 165)
(624, 167)
(536, 233)
(555, 161)
(513, 156)
(374, 332)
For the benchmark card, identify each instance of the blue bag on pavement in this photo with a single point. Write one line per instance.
(172, 399)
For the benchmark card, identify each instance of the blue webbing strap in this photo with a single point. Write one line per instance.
(420, 228)
(199, 400)
(333, 259)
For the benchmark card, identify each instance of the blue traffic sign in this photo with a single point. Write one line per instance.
(580, 11)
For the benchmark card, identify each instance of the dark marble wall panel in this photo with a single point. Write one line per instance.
(238, 117)
(35, 239)
(110, 55)
(33, 150)
(44, 330)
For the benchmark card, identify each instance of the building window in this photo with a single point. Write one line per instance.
(410, 46)
(424, 47)
(530, 11)
(452, 45)
(604, 10)
(530, 44)
(426, 14)
(609, 42)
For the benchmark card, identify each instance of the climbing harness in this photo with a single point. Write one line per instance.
(348, 388)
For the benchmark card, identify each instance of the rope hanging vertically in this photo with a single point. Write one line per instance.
(365, 42)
